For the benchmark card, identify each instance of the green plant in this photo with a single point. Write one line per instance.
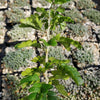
(57, 52)
(85, 4)
(75, 15)
(20, 3)
(92, 15)
(46, 21)
(19, 32)
(84, 55)
(68, 4)
(14, 15)
(78, 29)
(18, 58)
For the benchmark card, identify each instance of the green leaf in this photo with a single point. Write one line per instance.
(59, 74)
(57, 37)
(76, 44)
(32, 21)
(32, 96)
(60, 87)
(31, 78)
(63, 25)
(46, 87)
(38, 9)
(24, 44)
(39, 59)
(44, 42)
(68, 19)
(73, 73)
(52, 42)
(35, 89)
(49, 1)
(27, 71)
(27, 22)
(42, 96)
(51, 95)
(67, 42)
(60, 9)
(35, 44)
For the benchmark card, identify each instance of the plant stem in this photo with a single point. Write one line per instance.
(46, 60)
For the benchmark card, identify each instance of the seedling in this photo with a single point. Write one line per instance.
(46, 21)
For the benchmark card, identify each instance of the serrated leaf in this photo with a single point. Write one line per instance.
(73, 73)
(27, 71)
(31, 78)
(60, 87)
(24, 44)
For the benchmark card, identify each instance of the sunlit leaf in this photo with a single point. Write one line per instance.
(24, 44)
(27, 71)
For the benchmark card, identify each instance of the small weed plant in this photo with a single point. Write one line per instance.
(46, 21)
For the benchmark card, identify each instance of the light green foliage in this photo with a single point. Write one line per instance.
(38, 90)
(18, 58)
(14, 15)
(85, 4)
(20, 3)
(92, 15)
(78, 29)
(57, 52)
(19, 32)
(74, 14)
(84, 55)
